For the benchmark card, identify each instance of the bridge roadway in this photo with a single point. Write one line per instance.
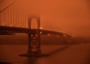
(7, 30)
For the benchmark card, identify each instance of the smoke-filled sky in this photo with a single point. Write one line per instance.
(71, 16)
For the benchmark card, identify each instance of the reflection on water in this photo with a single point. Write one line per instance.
(58, 50)
(59, 54)
(10, 53)
(30, 60)
(44, 60)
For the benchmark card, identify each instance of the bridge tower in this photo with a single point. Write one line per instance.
(34, 39)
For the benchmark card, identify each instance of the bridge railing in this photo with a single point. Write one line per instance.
(11, 15)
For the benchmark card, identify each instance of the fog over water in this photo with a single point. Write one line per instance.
(70, 16)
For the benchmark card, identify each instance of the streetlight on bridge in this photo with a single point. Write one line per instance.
(57, 35)
(41, 28)
(64, 35)
(40, 32)
(48, 34)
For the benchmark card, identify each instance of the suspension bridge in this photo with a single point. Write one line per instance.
(12, 21)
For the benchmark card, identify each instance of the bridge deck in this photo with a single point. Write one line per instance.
(6, 30)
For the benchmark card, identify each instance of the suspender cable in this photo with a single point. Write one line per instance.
(20, 19)
(50, 25)
(13, 13)
(23, 20)
(1, 18)
(11, 16)
(26, 21)
(58, 28)
(8, 16)
(16, 14)
(45, 24)
(5, 17)
(0, 15)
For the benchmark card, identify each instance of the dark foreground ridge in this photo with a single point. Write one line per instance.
(10, 63)
(41, 55)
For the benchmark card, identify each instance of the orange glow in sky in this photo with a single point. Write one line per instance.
(71, 16)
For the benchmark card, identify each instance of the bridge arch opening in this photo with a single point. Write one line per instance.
(34, 23)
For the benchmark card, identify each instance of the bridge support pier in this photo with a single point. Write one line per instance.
(34, 49)
(34, 45)
(34, 42)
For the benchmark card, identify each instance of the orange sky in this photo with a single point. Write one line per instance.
(71, 16)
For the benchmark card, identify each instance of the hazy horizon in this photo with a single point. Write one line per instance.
(70, 16)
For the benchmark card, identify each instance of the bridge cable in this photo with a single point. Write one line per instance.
(8, 6)
(58, 28)
(50, 25)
